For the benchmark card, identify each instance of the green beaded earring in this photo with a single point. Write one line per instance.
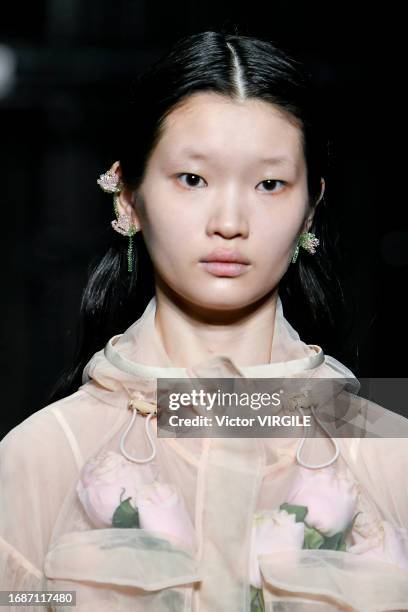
(308, 241)
(110, 183)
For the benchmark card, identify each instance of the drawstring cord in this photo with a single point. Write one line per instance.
(145, 409)
(302, 441)
(150, 410)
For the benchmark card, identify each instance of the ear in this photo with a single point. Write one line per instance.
(309, 218)
(126, 199)
(322, 189)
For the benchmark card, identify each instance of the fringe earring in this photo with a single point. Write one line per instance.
(110, 182)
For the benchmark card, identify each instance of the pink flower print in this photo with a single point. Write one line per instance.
(272, 531)
(330, 499)
(106, 481)
(162, 509)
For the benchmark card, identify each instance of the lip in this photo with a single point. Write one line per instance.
(222, 268)
(225, 256)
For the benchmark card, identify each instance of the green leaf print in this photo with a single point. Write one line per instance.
(125, 515)
(313, 538)
(299, 511)
(257, 600)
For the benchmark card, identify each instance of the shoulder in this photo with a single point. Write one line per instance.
(49, 434)
(376, 444)
(35, 439)
(373, 421)
(41, 423)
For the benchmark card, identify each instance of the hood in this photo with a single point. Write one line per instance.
(125, 371)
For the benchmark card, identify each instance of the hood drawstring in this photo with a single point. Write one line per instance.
(302, 441)
(149, 410)
(146, 410)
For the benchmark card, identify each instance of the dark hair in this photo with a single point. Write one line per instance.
(238, 67)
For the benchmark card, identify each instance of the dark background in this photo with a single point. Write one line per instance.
(69, 64)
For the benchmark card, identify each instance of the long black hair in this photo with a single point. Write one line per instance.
(238, 67)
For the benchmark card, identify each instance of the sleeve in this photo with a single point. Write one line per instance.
(16, 572)
(36, 466)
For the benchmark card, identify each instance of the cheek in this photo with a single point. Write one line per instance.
(274, 249)
(278, 238)
(168, 237)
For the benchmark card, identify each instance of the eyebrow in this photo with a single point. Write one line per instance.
(277, 160)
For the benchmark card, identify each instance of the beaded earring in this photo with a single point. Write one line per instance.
(308, 241)
(110, 182)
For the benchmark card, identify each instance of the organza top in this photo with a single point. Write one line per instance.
(93, 500)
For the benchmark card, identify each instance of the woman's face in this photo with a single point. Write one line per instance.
(214, 181)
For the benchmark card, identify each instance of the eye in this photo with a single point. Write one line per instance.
(193, 179)
(269, 183)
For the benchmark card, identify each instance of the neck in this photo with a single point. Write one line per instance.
(191, 334)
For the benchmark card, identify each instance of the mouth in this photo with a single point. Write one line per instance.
(223, 268)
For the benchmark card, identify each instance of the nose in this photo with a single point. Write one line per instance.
(228, 217)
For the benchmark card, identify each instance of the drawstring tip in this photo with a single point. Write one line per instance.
(142, 407)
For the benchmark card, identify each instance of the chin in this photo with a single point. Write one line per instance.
(218, 302)
(226, 295)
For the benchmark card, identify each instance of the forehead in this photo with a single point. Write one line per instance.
(211, 124)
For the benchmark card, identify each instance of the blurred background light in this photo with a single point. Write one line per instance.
(8, 69)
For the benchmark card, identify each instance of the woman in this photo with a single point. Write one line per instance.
(222, 176)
